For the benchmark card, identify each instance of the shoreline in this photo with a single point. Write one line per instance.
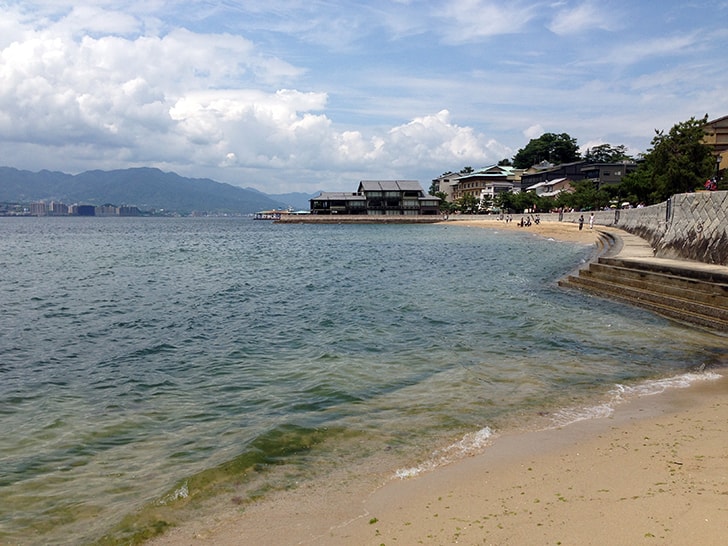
(561, 231)
(654, 472)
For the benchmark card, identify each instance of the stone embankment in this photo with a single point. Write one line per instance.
(681, 272)
(672, 259)
(690, 292)
(689, 226)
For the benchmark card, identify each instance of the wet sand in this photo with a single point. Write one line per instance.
(655, 472)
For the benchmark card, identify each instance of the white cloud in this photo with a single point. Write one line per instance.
(434, 140)
(582, 18)
(663, 46)
(534, 131)
(197, 101)
(325, 94)
(99, 88)
(91, 19)
(474, 20)
(230, 160)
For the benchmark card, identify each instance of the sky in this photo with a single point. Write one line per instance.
(293, 96)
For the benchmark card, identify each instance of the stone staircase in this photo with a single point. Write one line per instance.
(683, 291)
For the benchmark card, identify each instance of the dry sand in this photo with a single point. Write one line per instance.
(655, 472)
(563, 231)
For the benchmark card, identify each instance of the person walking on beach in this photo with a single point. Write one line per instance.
(581, 222)
(591, 221)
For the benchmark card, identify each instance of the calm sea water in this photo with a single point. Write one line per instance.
(150, 365)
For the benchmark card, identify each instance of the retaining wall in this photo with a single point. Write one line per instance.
(689, 226)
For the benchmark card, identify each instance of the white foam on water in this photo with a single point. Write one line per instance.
(474, 442)
(621, 393)
(470, 444)
(181, 493)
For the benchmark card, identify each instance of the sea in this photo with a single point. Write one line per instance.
(154, 368)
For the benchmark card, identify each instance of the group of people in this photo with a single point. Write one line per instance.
(711, 184)
(525, 222)
(591, 221)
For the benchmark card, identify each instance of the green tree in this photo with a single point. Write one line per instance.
(527, 200)
(606, 153)
(638, 187)
(681, 161)
(485, 203)
(678, 162)
(518, 202)
(466, 170)
(505, 201)
(585, 197)
(468, 204)
(445, 205)
(550, 147)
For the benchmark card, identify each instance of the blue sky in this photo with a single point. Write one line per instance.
(301, 96)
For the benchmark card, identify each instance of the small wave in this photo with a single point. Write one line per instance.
(658, 386)
(470, 444)
(181, 493)
(622, 393)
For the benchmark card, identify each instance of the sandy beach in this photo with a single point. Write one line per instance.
(654, 472)
(562, 231)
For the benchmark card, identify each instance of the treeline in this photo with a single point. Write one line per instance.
(677, 162)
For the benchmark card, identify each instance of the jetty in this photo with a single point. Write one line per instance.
(358, 219)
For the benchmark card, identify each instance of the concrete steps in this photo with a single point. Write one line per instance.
(680, 291)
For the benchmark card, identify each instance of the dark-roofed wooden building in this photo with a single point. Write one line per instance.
(379, 197)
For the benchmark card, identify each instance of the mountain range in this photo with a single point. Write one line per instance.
(146, 188)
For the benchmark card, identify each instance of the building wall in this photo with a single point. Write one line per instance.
(717, 137)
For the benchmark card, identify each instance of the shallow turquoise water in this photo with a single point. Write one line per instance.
(146, 362)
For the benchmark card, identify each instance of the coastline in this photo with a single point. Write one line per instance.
(654, 472)
(562, 231)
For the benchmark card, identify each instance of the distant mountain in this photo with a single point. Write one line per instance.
(296, 200)
(146, 188)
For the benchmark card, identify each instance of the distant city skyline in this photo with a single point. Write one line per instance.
(286, 96)
(59, 208)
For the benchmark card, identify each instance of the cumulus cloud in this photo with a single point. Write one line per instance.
(237, 91)
(435, 140)
(117, 90)
(85, 84)
(534, 131)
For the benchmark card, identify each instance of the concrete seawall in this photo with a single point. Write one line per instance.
(689, 226)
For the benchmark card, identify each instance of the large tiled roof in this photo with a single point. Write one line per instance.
(390, 185)
(494, 171)
(338, 196)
